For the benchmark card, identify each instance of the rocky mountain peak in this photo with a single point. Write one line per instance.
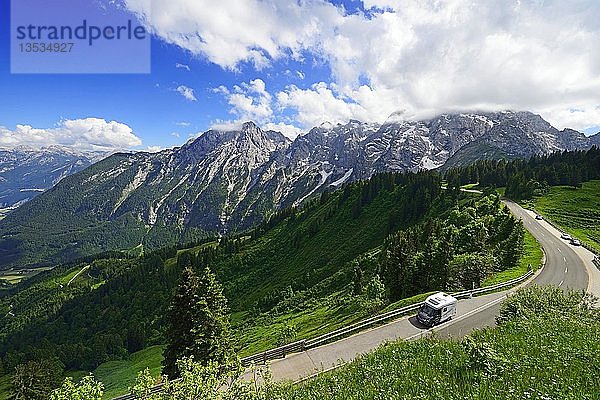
(227, 180)
(249, 126)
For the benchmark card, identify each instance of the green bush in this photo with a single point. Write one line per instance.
(536, 301)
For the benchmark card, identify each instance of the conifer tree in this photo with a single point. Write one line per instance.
(211, 332)
(182, 315)
(198, 323)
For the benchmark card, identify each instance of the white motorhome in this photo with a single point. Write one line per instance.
(437, 308)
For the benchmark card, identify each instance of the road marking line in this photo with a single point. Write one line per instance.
(559, 250)
(566, 269)
(565, 258)
(561, 282)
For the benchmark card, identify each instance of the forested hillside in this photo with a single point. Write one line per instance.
(341, 257)
(119, 306)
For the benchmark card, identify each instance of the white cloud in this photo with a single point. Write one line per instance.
(154, 149)
(186, 92)
(424, 56)
(248, 101)
(252, 102)
(182, 66)
(320, 103)
(80, 134)
(182, 123)
(579, 118)
(288, 130)
(227, 32)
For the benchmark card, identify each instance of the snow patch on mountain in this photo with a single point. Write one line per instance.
(343, 179)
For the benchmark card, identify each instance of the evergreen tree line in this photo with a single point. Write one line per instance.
(526, 178)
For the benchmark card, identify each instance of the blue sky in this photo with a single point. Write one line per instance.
(148, 103)
(346, 63)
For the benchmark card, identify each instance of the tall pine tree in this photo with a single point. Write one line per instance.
(198, 323)
(211, 332)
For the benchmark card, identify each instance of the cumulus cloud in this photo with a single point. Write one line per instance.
(288, 130)
(182, 66)
(252, 102)
(186, 92)
(80, 134)
(248, 101)
(154, 149)
(228, 32)
(424, 56)
(579, 118)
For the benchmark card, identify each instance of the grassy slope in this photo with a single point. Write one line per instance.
(5, 385)
(544, 358)
(118, 376)
(577, 211)
(275, 262)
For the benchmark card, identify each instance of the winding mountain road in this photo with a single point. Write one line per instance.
(565, 266)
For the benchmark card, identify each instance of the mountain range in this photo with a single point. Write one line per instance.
(26, 172)
(225, 181)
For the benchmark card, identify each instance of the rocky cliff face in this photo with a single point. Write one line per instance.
(227, 181)
(595, 139)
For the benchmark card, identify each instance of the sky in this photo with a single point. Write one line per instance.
(291, 65)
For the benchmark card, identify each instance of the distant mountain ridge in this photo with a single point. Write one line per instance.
(26, 172)
(225, 181)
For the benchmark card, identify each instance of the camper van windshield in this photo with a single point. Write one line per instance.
(428, 310)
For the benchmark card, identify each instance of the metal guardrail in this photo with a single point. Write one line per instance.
(272, 354)
(155, 389)
(303, 345)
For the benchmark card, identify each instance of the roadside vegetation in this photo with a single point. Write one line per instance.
(574, 210)
(531, 258)
(563, 187)
(544, 347)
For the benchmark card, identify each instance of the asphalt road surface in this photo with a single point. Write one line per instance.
(565, 267)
